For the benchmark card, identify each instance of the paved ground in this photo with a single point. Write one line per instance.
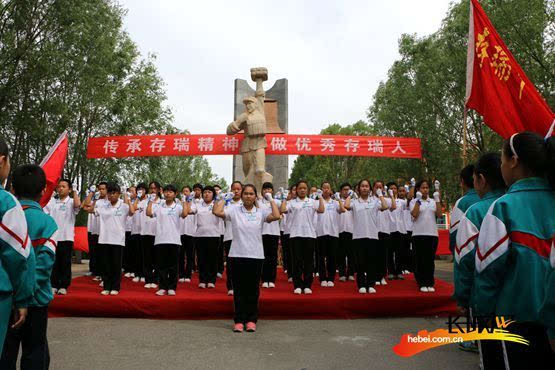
(87, 343)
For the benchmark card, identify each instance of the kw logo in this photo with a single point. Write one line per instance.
(502, 323)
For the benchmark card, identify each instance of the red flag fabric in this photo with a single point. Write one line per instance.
(187, 145)
(496, 86)
(53, 165)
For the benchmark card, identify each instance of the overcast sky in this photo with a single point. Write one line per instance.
(334, 54)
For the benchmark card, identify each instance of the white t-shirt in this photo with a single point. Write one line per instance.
(301, 217)
(425, 224)
(384, 218)
(168, 225)
(95, 223)
(407, 216)
(269, 228)
(346, 221)
(136, 223)
(283, 224)
(247, 231)
(365, 217)
(397, 217)
(189, 225)
(148, 224)
(228, 233)
(112, 220)
(328, 222)
(63, 212)
(208, 225)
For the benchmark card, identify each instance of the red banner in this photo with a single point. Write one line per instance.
(496, 86)
(186, 145)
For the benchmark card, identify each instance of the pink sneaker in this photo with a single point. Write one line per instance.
(251, 327)
(238, 327)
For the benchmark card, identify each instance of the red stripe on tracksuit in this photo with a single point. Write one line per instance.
(466, 243)
(15, 236)
(42, 241)
(538, 245)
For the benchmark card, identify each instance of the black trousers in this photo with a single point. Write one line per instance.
(368, 262)
(221, 255)
(394, 254)
(538, 351)
(286, 254)
(208, 248)
(33, 340)
(61, 272)
(125, 258)
(93, 241)
(186, 253)
(270, 243)
(166, 257)
(149, 259)
(425, 253)
(384, 240)
(246, 288)
(327, 246)
(302, 253)
(228, 280)
(407, 257)
(346, 255)
(111, 275)
(135, 255)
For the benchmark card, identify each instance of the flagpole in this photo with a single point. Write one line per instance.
(465, 132)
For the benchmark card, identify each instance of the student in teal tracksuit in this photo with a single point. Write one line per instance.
(489, 185)
(547, 310)
(461, 205)
(14, 250)
(512, 259)
(29, 182)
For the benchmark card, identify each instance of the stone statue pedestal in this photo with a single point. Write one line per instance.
(257, 181)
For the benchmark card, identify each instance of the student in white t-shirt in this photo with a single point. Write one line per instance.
(300, 213)
(327, 233)
(63, 208)
(366, 209)
(112, 216)
(397, 228)
(136, 251)
(286, 257)
(246, 255)
(207, 240)
(148, 233)
(236, 190)
(270, 239)
(424, 211)
(97, 194)
(167, 239)
(219, 275)
(128, 256)
(188, 230)
(384, 231)
(346, 253)
(406, 238)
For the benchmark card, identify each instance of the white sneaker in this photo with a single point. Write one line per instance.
(136, 279)
(202, 285)
(54, 290)
(324, 283)
(62, 291)
(147, 286)
(187, 280)
(342, 278)
(97, 278)
(142, 280)
(114, 292)
(424, 289)
(101, 284)
(265, 285)
(384, 282)
(307, 291)
(154, 286)
(431, 289)
(378, 283)
(88, 274)
(371, 290)
(161, 292)
(219, 276)
(330, 284)
(171, 292)
(297, 291)
(351, 278)
(318, 274)
(230, 292)
(271, 285)
(211, 285)
(362, 290)
(290, 280)
(127, 274)
(105, 292)
(132, 274)
(182, 280)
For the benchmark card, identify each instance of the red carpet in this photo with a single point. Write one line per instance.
(398, 298)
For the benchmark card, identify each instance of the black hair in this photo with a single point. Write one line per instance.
(112, 187)
(4, 148)
(466, 176)
(535, 153)
(419, 184)
(28, 181)
(301, 182)
(249, 186)
(375, 182)
(131, 186)
(217, 186)
(345, 184)
(141, 185)
(209, 188)
(170, 187)
(186, 187)
(293, 186)
(198, 186)
(360, 182)
(103, 183)
(236, 182)
(325, 182)
(267, 185)
(69, 184)
(389, 184)
(158, 186)
(489, 165)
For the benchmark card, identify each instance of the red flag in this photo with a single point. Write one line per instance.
(53, 165)
(496, 86)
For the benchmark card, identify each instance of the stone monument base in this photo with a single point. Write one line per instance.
(258, 180)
